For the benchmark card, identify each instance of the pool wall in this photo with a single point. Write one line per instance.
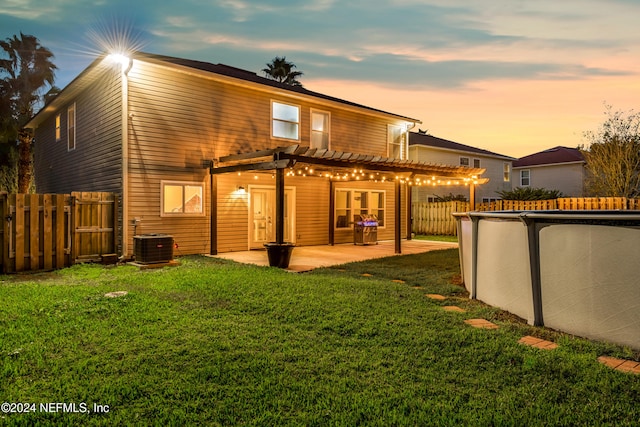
(574, 271)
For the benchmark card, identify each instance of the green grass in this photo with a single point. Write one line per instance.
(212, 342)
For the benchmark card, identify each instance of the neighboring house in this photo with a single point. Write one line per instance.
(225, 160)
(428, 148)
(558, 168)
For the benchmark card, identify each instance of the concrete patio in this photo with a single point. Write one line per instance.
(305, 258)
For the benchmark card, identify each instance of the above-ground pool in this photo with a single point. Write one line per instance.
(574, 271)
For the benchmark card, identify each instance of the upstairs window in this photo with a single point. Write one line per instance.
(71, 127)
(397, 147)
(58, 131)
(182, 199)
(464, 161)
(506, 172)
(525, 178)
(320, 130)
(285, 121)
(476, 163)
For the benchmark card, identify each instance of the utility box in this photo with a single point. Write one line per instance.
(153, 248)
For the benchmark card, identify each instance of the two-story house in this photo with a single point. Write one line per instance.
(225, 160)
(558, 168)
(424, 147)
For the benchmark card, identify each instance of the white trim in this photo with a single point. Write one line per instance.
(293, 214)
(328, 131)
(200, 184)
(72, 108)
(353, 190)
(547, 165)
(272, 119)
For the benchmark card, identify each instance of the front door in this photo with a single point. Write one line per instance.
(262, 215)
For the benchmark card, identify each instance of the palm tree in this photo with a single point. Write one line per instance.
(281, 70)
(25, 72)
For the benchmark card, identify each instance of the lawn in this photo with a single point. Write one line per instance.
(211, 342)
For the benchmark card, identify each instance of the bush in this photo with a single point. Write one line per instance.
(451, 198)
(528, 193)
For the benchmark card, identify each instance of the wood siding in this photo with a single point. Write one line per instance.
(176, 120)
(95, 164)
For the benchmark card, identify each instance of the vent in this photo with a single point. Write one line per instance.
(153, 248)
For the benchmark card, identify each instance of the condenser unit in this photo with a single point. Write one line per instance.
(153, 248)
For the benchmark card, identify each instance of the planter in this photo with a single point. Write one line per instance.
(279, 254)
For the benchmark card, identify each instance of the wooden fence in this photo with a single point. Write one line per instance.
(435, 218)
(49, 231)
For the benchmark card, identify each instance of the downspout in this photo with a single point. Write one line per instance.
(125, 158)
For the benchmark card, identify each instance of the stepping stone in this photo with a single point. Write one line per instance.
(537, 343)
(481, 323)
(367, 275)
(621, 365)
(454, 308)
(436, 296)
(116, 294)
(398, 281)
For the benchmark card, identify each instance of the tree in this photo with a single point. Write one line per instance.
(281, 70)
(26, 71)
(613, 156)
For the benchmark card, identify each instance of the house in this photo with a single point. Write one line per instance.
(424, 147)
(225, 160)
(558, 168)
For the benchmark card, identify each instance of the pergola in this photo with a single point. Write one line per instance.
(339, 166)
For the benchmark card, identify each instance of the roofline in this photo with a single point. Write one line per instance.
(268, 85)
(576, 162)
(163, 61)
(486, 154)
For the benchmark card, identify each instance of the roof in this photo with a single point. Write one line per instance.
(552, 156)
(435, 142)
(87, 76)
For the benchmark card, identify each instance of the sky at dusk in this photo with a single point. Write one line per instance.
(510, 76)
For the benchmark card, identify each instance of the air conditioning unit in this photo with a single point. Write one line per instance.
(153, 248)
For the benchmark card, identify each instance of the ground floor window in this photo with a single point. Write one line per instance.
(351, 203)
(181, 198)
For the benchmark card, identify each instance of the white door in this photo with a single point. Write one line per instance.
(262, 216)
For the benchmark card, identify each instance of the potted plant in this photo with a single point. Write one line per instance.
(279, 253)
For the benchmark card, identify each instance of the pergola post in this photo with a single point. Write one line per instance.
(409, 211)
(472, 197)
(398, 205)
(332, 213)
(279, 206)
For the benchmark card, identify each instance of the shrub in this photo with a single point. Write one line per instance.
(528, 193)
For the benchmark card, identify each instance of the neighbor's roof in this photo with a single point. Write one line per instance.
(551, 156)
(89, 74)
(435, 142)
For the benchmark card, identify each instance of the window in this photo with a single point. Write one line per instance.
(58, 133)
(319, 130)
(525, 178)
(506, 172)
(181, 199)
(351, 203)
(71, 127)
(464, 161)
(285, 121)
(476, 163)
(396, 143)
